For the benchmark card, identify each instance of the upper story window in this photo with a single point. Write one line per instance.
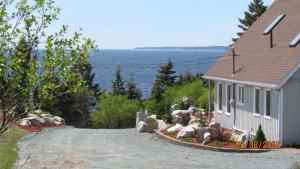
(257, 101)
(241, 94)
(268, 103)
(220, 96)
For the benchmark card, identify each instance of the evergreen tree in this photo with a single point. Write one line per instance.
(88, 76)
(260, 137)
(118, 83)
(256, 9)
(164, 79)
(132, 91)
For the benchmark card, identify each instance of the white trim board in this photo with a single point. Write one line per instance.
(273, 86)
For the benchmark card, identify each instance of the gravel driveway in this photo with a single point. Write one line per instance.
(127, 149)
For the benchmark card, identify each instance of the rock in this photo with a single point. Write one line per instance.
(151, 123)
(245, 137)
(59, 120)
(174, 107)
(193, 120)
(187, 101)
(141, 127)
(49, 121)
(201, 132)
(44, 115)
(185, 119)
(195, 111)
(140, 116)
(214, 125)
(185, 132)
(207, 138)
(25, 123)
(161, 124)
(38, 112)
(32, 115)
(179, 113)
(177, 127)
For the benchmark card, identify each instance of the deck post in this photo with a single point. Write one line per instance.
(209, 109)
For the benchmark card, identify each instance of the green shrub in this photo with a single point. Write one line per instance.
(220, 143)
(115, 112)
(260, 137)
(188, 139)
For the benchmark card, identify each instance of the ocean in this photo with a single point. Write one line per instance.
(144, 64)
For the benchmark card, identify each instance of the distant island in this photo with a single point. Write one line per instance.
(185, 48)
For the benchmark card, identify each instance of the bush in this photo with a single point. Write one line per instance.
(260, 137)
(115, 112)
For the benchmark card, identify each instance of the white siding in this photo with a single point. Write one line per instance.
(245, 119)
(291, 111)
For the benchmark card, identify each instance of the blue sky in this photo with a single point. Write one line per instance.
(126, 24)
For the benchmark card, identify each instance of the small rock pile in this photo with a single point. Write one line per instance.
(145, 123)
(39, 119)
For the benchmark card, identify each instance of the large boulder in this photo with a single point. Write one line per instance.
(151, 123)
(187, 101)
(200, 133)
(140, 116)
(161, 124)
(179, 113)
(176, 127)
(25, 123)
(141, 127)
(195, 111)
(45, 115)
(185, 132)
(49, 121)
(58, 120)
(38, 112)
(207, 138)
(245, 137)
(214, 125)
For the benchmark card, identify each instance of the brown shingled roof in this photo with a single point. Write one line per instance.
(257, 61)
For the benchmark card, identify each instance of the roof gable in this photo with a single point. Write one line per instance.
(257, 61)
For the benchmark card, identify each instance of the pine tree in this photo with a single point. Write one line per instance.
(88, 76)
(132, 91)
(118, 83)
(164, 79)
(256, 9)
(260, 137)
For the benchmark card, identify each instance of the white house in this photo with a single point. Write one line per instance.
(258, 80)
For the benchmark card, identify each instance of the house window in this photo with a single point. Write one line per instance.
(268, 103)
(220, 96)
(228, 99)
(241, 94)
(257, 101)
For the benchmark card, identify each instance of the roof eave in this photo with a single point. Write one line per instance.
(272, 86)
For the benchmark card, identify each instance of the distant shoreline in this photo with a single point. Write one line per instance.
(184, 48)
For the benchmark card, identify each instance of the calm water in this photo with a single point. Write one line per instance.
(144, 64)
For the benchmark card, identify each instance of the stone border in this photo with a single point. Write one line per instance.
(203, 147)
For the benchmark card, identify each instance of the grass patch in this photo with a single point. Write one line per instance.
(8, 147)
(220, 143)
(172, 133)
(188, 139)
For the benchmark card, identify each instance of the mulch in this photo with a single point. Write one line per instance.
(39, 128)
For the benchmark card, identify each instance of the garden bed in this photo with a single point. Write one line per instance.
(229, 146)
(38, 129)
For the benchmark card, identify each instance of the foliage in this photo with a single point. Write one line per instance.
(220, 143)
(221, 134)
(115, 112)
(172, 133)
(28, 75)
(202, 101)
(118, 83)
(255, 9)
(88, 77)
(132, 91)
(260, 137)
(188, 78)
(188, 139)
(164, 79)
(8, 146)
(201, 121)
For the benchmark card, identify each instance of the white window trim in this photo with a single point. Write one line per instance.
(227, 101)
(239, 101)
(265, 103)
(218, 98)
(254, 101)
